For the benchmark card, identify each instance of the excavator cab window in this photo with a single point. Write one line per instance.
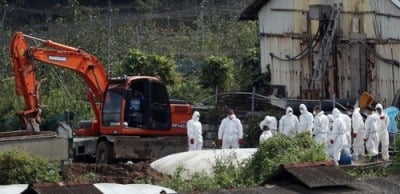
(160, 112)
(112, 105)
(135, 108)
(148, 106)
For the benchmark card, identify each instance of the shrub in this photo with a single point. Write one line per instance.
(281, 149)
(19, 167)
(228, 174)
(395, 167)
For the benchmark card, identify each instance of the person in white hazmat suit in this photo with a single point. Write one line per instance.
(338, 138)
(230, 132)
(383, 133)
(194, 132)
(329, 149)
(266, 125)
(358, 134)
(288, 123)
(271, 122)
(347, 120)
(371, 134)
(321, 126)
(306, 120)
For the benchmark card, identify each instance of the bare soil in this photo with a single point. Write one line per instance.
(111, 173)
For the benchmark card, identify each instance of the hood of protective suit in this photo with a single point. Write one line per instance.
(196, 116)
(303, 108)
(335, 113)
(357, 110)
(320, 113)
(380, 107)
(289, 111)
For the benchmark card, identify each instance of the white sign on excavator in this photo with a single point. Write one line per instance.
(57, 58)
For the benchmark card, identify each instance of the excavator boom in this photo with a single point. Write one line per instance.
(85, 65)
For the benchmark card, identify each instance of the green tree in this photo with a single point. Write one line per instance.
(217, 72)
(249, 73)
(138, 63)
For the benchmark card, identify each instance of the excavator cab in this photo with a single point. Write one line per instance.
(137, 103)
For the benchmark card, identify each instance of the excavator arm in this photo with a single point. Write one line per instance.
(85, 65)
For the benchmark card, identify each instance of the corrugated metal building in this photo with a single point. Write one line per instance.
(364, 56)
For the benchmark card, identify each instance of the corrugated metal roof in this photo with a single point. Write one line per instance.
(61, 188)
(313, 174)
(84, 188)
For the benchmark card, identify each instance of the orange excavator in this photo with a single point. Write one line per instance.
(118, 130)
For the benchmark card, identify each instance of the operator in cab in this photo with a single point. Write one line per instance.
(136, 111)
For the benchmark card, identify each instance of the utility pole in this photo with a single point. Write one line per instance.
(3, 18)
(109, 37)
(202, 22)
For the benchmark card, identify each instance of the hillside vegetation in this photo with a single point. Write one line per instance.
(182, 34)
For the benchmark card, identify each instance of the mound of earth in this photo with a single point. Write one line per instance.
(111, 173)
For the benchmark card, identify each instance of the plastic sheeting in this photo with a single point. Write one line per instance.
(201, 161)
(392, 112)
(13, 189)
(112, 188)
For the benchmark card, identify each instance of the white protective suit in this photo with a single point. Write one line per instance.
(267, 133)
(383, 133)
(194, 132)
(230, 131)
(271, 123)
(321, 128)
(306, 120)
(358, 134)
(288, 123)
(371, 135)
(347, 120)
(339, 139)
(329, 149)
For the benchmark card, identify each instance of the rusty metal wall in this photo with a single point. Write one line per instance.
(288, 73)
(277, 22)
(282, 22)
(377, 18)
(386, 80)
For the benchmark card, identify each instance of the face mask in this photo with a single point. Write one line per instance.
(230, 117)
(301, 111)
(314, 113)
(349, 113)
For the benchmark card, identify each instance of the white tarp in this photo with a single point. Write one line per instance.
(112, 188)
(201, 161)
(13, 189)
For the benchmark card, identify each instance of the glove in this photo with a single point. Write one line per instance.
(241, 141)
(219, 142)
(354, 135)
(331, 141)
(191, 141)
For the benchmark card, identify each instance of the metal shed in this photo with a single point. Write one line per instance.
(365, 54)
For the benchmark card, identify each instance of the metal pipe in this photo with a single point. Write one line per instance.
(253, 98)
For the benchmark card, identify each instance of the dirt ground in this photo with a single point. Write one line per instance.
(115, 173)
